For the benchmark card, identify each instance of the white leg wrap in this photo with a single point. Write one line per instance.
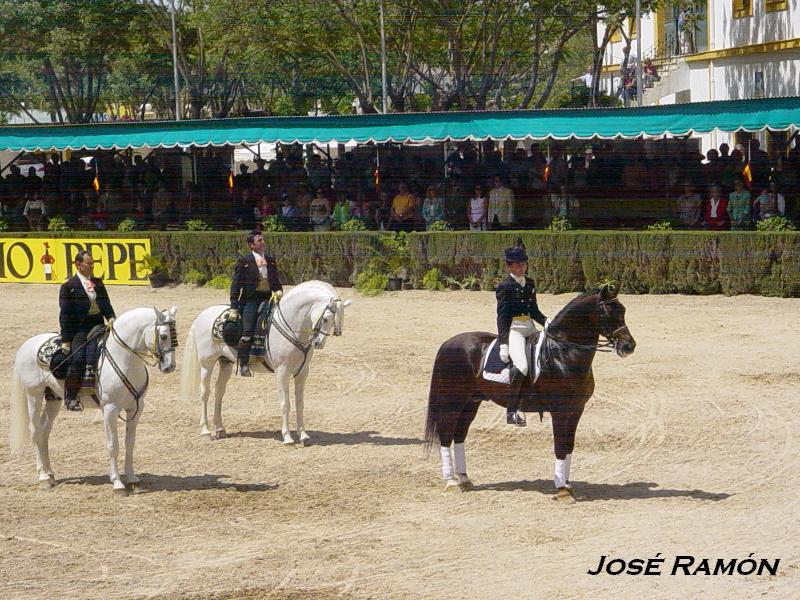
(567, 465)
(447, 462)
(560, 476)
(460, 459)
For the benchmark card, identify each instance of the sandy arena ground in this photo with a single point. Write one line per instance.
(689, 447)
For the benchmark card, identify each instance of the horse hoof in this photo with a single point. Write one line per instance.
(121, 492)
(288, 443)
(134, 486)
(47, 484)
(220, 434)
(452, 485)
(565, 495)
(466, 485)
(207, 437)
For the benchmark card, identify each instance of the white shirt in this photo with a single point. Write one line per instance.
(714, 207)
(520, 280)
(88, 286)
(261, 263)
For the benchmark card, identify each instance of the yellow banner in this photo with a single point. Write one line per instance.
(42, 260)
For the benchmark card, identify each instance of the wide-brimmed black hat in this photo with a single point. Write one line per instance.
(516, 255)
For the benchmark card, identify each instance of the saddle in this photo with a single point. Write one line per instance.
(229, 330)
(494, 369)
(51, 356)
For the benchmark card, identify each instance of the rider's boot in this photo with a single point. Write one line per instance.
(88, 381)
(244, 357)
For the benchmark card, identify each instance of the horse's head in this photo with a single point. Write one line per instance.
(162, 339)
(612, 321)
(328, 318)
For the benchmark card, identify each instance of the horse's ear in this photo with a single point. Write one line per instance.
(172, 310)
(347, 303)
(159, 315)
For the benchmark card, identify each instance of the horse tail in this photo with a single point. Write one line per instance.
(190, 369)
(19, 433)
(434, 414)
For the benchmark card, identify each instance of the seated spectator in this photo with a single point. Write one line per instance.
(265, 208)
(341, 211)
(715, 215)
(35, 213)
(432, 207)
(650, 73)
(739, 206)
(476, 210)
(404, 208)
(319, 212)
(770, 203)
(383, 210)
(100, 216)
(162, 206)
(290, 213)
(563, 204)
(356, 210)
(186, 200)
(689, 207)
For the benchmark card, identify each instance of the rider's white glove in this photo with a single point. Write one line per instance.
(66, 347)
(504, 356)
(278, 295)
(234, 314)
(546, 323)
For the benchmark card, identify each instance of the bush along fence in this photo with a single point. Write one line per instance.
(655, 262)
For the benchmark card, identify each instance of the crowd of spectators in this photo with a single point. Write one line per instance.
(397, 188)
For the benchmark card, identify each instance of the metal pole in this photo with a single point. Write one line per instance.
(639, 90)
(175, 64)
(383, 64)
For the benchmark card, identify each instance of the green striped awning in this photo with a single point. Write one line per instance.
(675, 119)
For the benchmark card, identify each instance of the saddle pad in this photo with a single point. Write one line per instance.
(494, 369)
(46, 351)
(219, 323)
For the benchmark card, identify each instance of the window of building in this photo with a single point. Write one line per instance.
(775, 5)
(742, 8)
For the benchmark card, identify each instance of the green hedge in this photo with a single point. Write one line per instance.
(697, 262)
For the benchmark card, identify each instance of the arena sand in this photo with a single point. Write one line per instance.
(689, 447)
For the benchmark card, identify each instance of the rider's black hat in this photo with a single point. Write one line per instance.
(516, 255)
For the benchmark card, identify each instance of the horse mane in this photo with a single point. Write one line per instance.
(313, 283)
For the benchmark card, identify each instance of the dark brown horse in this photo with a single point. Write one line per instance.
(563, 388)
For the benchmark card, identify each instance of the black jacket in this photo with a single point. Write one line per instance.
(75, 304)
(245, 280)
(514, 300)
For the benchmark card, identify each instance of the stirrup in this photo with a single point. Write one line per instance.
(244, 370)
(516, 418)
(74, 405)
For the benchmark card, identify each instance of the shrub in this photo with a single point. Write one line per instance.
(220, 282)
(560, 224)
(194, 277)
(432, 280)
(371, 282)
(58, 224)
(126, 225)
(273, 223)
(440, 226)
(197, 225)
(353, 225)
(660, 226)
(153, 264)
(775, 223)
(3, 225)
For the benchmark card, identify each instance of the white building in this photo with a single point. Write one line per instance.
(738, 49)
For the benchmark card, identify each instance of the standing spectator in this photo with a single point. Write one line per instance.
(265, 208)
(35, 213)
(689, 207)
(501, 205)
(476, 211)
(383, 210)
(739, 206)
(563, 204)
(404, 206)
(715, 215)
(759, 166)
(341, 211)
(432, 207)
(770, 203)
(318, 173)
(290, 213)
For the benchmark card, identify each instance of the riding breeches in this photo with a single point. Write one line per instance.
(520, 331)
(250, 317)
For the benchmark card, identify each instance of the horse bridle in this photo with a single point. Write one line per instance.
(156, 351)
(334, 306)
(612, 339)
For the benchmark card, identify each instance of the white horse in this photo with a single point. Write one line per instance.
(299, 324)
(122, 381)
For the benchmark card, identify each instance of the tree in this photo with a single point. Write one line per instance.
(70, 46)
